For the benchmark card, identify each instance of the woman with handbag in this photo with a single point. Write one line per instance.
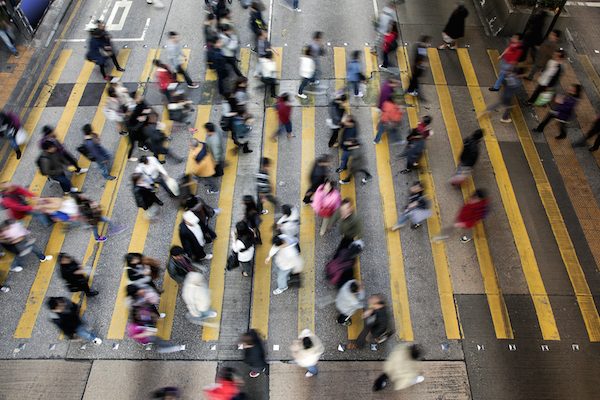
(17, 240)
(145, 195)
(242, 247)
(74, 275)
(192, 238)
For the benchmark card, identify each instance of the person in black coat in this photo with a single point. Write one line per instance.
(318, 175)
(192, 238)
(74, 275)
(145, 197)
(217, 61)
(455, 28)
(66, 317)
(135, 124)
(108, 47)
(97, 52)
(470, 152)
(376, 323)
(254, 352)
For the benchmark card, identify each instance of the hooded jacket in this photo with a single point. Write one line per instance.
(400, 367)
(307, 357)
(195, 293)
(348, 303)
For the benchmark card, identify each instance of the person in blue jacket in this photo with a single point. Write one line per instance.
(96, 151)
(354, 73)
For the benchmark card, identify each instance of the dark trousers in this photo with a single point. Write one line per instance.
(103, 70)
(538, 89)
(183, 72)
(344, 243)
(221, 83)
(352, 173)
(548, 118)
(342, 318)
(266, 196)
(65, 183)
(270, 85)
(594, 130)
(309, 193)
(115, 61)
(233, 63)
(386, 59)
(333, 139)
(304, 84)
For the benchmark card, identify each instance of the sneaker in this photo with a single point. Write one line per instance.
(92, 293)
(97, 341)
(415, 226)
(101, 239)
(360, 94)
(254, 374)
(308, 374)
(302, 96)
(263, 212)
(208, 257)
(123, 133)
(465, 239)
(193, 86)
(347, 322)
(493, 89)
(316, 83)
(279, 291)
(405, 171)
(162, 315)
(419, 379)
(375, 141)
(133, 159)
(17, 55)
(74, 190)
(4, 289)
(413, 94)
(149, 1)
(18, 268)
(343, 182)
(383, 68)
(299, 10)
(143, 148)
(506, 121)
(47, 258)
(217, 211)
(338, 170)
(111, 178)
(367, 179)
(120, 69)
(82, 171)
(212, 191)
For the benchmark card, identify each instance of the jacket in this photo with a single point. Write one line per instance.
(214, 144)
(216, 60)
(284, 111)
(144, 197)
(195, 293)
(151, 171)
(68, 321)
(307, 67)
(244, 252)
(52, 164)
(290, 225)
(388, 40)
(174, 54)
(385, 94)
(326, 204)
(470, 152)
(391, 113)
(564, 110)
(94, 55)
(350, 227)
(348, 303)
(255, 356)
(192, 238)
(336, 112)
(400, 367)
(550, 74)
(222, 390)
(96, 150)
(204, 164)
(471, 213)
(358, 161)
(378, 322)
(263, 182)
(231, 44)
(15, 201)
(286, 257)
(75, 282)
(318, 174)
(307, 357)
(354, 71)
(178, 269)
(455, 28)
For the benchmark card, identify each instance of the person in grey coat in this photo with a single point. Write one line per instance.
(176, 58)
(358, 162)
(349, 300)
(215, 145)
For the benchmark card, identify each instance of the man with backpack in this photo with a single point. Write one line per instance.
(54, 165)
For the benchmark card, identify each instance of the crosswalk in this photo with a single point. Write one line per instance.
(309, 127)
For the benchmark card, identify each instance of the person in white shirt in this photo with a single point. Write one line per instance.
(196, 295)
(153, 172)
(307, 350)
(289, 223)
(268, 68)
(231, 46)
(286, 258)
(242, 244)
(307, 71)
(176, 58)
(350, 299)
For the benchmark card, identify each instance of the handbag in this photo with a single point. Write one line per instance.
(544, 98)
(21, 137)
(172, 185)
(232, 262)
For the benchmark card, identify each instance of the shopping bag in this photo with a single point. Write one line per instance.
(21, 137)
(232, 262)
(544, 98)
(172, 185)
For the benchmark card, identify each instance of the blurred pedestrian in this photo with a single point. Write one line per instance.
(455, 27)
(508, 60)
(355, 75)
(389, 44)
(11, 129)
(203, 165)
(96, 152)
(350, 225)
(512, 84)
(400, 368)
(264, 187)
(192, 238)
(358, 163)
(416, 143)
(306, 351)
(254, 352)
(473, 211)
(284, 116)
(196, 295)
(562, 111)
(6, 31)
(417, 210)
(145, 195)
(391, 117)
(350, 298)
(326, 201)
(49, 136)
(252, 216)
(176, 58)
(98, 52)
(108, 46)
(91, 213)
(349, 134)
(53, 165)
(308, 71)
(226, 387)
(65, 315)
(242, 245)
(179, 264)
(468, 158)
(216, 147)
(154, 174)
(593, 131)
(376, 323)
(74, 275)
(544, 53)
(286, 259)
(419, 66)
(289, 222)
(549, 78)
(318, 175)
(337, 110)
(15, 239)
(317, 50)
(231, 48)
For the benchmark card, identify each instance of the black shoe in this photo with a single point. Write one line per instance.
(415, 226)
(160, 202)
(593, 148)
(492, 89)
(120, 69)
(560, 137)
(92, 293)
(536, 130)
(405, 171)
(340, 170)
(247, 150)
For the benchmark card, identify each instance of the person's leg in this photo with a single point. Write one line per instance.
(444, 233)
(385, 59)
(104, 169)
(103, 71)
(380, 130)
(361, 340)
(164, 346)
(413, 84)
(313, 369)
(64, 182)
(303, 84)
(500, 79)
(86, 334)
(538, 89)
(273, 200)
(333, 139)
(8, 42)
(72, 161)
(233, 62)
(183, 72)
(542, 125)
(116, 62)
(288, 129)
(295, 4)
(246, 268)
(344, 160)
(563, 129)
(356, 87)
(343, 318)
(39, 253)
(282, 278)
(324, 225)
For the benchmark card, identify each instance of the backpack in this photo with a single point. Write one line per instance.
(41, 166)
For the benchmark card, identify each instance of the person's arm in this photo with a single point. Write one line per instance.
(272, 252)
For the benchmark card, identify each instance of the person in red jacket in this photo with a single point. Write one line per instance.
(226, 387)
(20, 202)
(284, 115)
(475, 210)
(164, 77)
(390, 43)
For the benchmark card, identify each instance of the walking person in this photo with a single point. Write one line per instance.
(284, 116)
(268, 68)
(53, 165)
(350, 225)
(562, 111)
(593, 131)
(416, 143)
(349, 133)
(115, 110)
(512, 84)
(176, 58)
(391, 117)
(6, 31)
(326, 201)
(15, 239)
(96, 152)
(358, 163)
(263, 186)
(226, 387)
(401, 368)
(508, 60)
(242, 245)
(473, 211)
(254, 352)
(91, 213)
(97, 52)
(417, 210)
(230, 48)
(318, 175)
(337, 109)
(289, 222)
(549, 77)
(419, 66)
(196, 295)
(252, 216)
(389, 44)
(355, 75)
(20, 202)
(49, 136)
(156, 138)
(143, 272)
(179, 264)
(145, 196)
(386, 17)
(455, 28)
(533, 34)
(216, 147)
(154, 173)
(216, 61)
(308, 71)
(74, 275)
(108, 47)
(306, 351)
(65, 315)
(386, 91)
(317, 50)
(350, 298)
(468, 158)
(164, 77)
(192, 238)
(544, 53)
(203, 165)
(286, 258)
(376, 323)
(141, 327)
(257, 23)
(11, 129)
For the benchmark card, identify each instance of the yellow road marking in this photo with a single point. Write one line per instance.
(168, 298)
(438, 250)
(399, 291)
(278, 56)
(339, 66)
(581, 289)
(42, 279)
(529, 264)
(261, 289)
(498, 310)
(245, 60)
(148, 68)
(306, 294)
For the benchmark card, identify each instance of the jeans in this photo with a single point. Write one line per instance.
(8, 41)
(84, 333)
(504, 69)
(282, 277)
(313, 369)
(183, 72)
(35, 250)
(344, 160)
(270, 86)
(355, 85)
(305, 82)
(164, 346)
(246, 267)
(65, 183)
(103, 165)
(287, 126)
(95, 227)
(295, 4)
(385, 59)
(385, 127)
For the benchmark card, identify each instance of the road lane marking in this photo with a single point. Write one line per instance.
(495, 298)
(438, 250)
(306, 293)
(529, 264)
(111, 26)
(581, 289)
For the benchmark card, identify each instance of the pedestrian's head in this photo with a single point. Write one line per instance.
(286, 209)
(49, 147)
(356, 55)
(575, 90)
(376, 301)
(559, 55)
(144, 160)
(425, 39)
(248, 201)
(133, 258)
(555, 35)
(56, 304)
(64, 258)
(47, 130)
(241, 227)
(426, 120)
(166, 393)
(87, 129)
(317, 36)
(354, 287)
(516, 38)
(265, 162)
(307, 343)
(346, 207)
(415, 352)
(277, 241)
(111, 92)
(285, 96)
(173, 35)
(328, 185)
(177, 251)
(478, 134)
(480, 194)
(100, 24)
(210, 128)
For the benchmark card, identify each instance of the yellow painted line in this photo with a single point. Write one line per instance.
(306, 294)
(495, 298)
(120, 313)
(590, 71)
(438, 250)
(399, 291)
(278, 56)
(223, 223)
(339, 66)
(261, 289)
(529, 264)
(581, 289)
(148, 68)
